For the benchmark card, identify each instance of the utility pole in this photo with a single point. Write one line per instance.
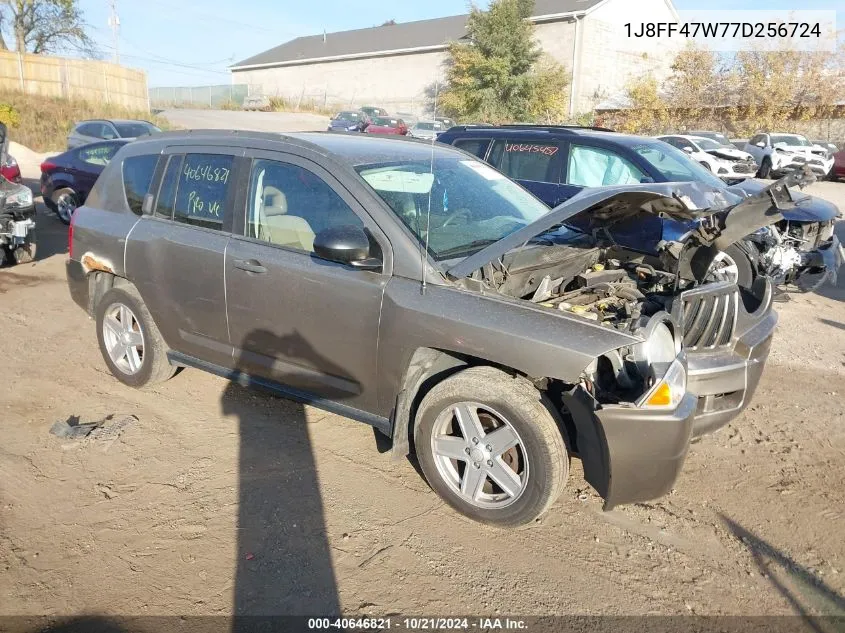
(114, 23)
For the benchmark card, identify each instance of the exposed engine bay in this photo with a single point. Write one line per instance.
(794, 253)
(17, 223)
(611, 286)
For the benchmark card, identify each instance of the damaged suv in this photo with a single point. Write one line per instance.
(414, 288)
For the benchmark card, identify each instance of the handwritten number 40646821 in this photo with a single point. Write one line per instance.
(206, 172)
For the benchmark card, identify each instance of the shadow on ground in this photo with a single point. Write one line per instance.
(804, 590)
(284, 564)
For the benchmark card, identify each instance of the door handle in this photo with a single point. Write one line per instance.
(250, 265)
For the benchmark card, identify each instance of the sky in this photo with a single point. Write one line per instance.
(191, 42)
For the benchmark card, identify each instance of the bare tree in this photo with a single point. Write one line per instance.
(46, 26)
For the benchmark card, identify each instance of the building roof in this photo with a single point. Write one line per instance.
(395, 38)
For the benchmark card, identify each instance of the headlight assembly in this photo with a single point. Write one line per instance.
(659, 350)
(22, 198)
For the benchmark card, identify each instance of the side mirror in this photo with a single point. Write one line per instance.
(346, 245)
(688, 149)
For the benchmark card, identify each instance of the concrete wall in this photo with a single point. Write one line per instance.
(609, 60)
(398, 82)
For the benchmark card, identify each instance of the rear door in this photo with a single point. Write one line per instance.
(295, 319)
(176, 252)
(534, 164)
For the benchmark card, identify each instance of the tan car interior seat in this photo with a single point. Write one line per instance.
(278, 227)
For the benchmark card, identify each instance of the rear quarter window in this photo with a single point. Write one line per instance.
(477, 147)
(138, 174)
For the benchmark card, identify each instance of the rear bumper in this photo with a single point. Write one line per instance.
(77, 282)
(725, 381)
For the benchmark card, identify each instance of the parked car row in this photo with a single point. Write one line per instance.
(372, 120)
(491, 333)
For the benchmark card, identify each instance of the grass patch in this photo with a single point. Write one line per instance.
(280, 104)
(42, 123)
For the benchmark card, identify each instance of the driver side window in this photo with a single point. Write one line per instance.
(288, 206)
(599, 167)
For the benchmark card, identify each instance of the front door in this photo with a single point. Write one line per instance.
(175, 254)
(297, 320)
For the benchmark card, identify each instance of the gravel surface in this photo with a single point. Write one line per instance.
(220, 500)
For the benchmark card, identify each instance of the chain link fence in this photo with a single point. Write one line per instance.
(225, 95)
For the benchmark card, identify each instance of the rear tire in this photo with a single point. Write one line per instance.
(463, 458)
(129, 339)
(64, 203)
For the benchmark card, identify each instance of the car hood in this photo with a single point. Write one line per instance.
(810, 150)
(729, 153)
(808, 209)
(733, 217)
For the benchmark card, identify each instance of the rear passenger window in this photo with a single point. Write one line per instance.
(478, 147)
(167, 192)
(203, 186)
(98, 155)
(137, 176)
(526, 161)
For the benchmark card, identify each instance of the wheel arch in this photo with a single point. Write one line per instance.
(430, 366)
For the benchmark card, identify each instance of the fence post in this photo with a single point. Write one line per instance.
(20, 71)
(106, 85)
(190, 95)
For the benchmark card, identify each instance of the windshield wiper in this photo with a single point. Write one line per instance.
(464, 248)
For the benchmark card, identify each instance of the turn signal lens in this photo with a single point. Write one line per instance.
(669, 392)
(662, 396)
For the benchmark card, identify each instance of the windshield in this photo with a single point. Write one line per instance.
(347, 116)
(719, 138)
(790, 139)
(131, 130)
(472, 204)
(428, 126)
(706, 144)
(675, 166)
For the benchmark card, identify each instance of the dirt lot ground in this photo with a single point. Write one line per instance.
(220, 500)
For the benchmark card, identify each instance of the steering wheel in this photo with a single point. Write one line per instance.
(455, 215)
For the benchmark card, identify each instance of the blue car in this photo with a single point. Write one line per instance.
(349, 121)
(556, 162)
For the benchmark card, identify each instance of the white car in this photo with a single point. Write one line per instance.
(427, 130)
(725, 161)
(778, 154)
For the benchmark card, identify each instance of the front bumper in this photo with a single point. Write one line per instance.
(820, 166)
(737, 170)
(725, 380)
(646, 450)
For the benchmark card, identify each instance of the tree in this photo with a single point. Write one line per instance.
(500, 73)
(45, 26)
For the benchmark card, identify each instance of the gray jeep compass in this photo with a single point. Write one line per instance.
(414, 288)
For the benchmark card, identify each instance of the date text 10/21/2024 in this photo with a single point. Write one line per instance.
(418, 624)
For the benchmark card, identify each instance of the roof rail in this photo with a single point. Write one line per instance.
(532, 126)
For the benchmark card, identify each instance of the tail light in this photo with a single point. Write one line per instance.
(47, 166)
(70, 236)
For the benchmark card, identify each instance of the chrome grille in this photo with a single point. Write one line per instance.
(708, 315)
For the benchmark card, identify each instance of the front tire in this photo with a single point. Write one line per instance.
(130, 342)
(735, 265)
(490, 446)
(765, 170)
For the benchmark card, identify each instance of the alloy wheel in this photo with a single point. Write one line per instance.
(66, 205)
(725, 268)
(124, 339)
(480, 455)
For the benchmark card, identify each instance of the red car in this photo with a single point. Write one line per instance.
(838, 165)
(10, 170)
(387, 125)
